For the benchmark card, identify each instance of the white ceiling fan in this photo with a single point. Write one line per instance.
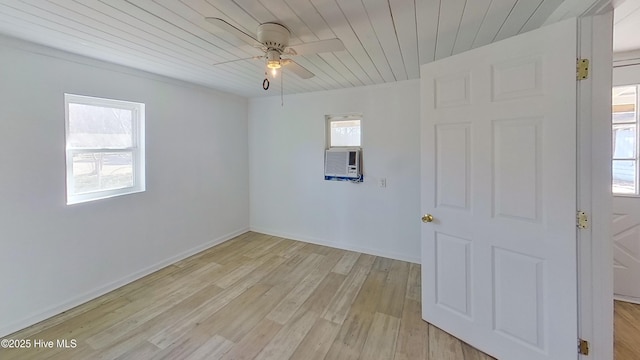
(273, 40)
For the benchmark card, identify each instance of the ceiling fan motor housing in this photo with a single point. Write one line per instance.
(273, 36)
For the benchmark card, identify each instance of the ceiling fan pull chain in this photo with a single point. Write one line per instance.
(281, 89)
(265, 84)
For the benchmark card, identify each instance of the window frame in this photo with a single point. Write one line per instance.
(636, 158)
(336, 118)
(137, 149)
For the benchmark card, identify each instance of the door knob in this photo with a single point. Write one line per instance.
(427, 218)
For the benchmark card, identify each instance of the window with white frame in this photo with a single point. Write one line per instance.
(343, 130)
(625, 140)
(105, 148)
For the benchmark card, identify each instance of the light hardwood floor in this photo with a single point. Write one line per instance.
(627, 331)
(256, 297)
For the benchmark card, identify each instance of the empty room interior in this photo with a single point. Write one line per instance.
(320, 179)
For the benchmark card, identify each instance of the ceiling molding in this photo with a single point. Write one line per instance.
(577, 8)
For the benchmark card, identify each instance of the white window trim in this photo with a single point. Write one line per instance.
(637, 157)
(137, 149)
(342, 117)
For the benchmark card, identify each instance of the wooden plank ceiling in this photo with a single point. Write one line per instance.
(385, 40)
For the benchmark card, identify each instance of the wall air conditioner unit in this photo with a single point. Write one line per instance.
(342, 164)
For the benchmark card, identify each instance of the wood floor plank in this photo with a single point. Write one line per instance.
(128, 325)
(173, 301)
(266, 244)
(353, 333)
(90, 317)
(199, 271)
(444, 346)
(291, 250)
(342, 300)
(319, 300)
(224, 321)
(346, 263)
(471, 353)
(281, 246)
(322, 250)
(301, 292)
(182, 348)
(80, 353)
(176, 330)
(244, 319)
(100, 306)
(230, 254)
(626, 330)
(265, 297)
(293, 269)
(238, 318)
(317, 342)
(213, 348)
(81, 322)
(382, 264)
(413, 335)
(239, 272)
(381, 341)
(144, 350)
(283, 345)
(394, 289)
(254, 341)
(414, 289)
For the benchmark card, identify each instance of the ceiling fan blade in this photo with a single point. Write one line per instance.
(249, 39)
(234, 60)
(297, 69)
(316, 47)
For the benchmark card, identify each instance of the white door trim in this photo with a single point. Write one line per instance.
(595, 254)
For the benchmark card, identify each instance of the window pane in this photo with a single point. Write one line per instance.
(623, 117)
(102, 171)
(624, 141)
(624, 176)
(99, 127)
(624, 104)
(345, 133)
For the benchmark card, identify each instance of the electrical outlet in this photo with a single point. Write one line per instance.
(382, 182)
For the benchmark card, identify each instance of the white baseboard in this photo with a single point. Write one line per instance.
(342, 246)
(624, 298)
(97, 292)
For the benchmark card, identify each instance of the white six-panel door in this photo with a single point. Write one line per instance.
(498, 169)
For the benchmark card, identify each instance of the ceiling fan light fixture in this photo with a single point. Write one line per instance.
(274, 64)
(273, 59)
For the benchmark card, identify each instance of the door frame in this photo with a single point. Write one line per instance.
(595, 250)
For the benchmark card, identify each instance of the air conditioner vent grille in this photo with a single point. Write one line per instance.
(335, 163)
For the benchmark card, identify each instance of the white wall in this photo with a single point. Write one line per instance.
(289, 196)
(54, 256)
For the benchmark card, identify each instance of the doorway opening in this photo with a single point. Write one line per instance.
(626, 215)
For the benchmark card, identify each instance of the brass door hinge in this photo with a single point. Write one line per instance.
(583, 347)
(582, 69)
(582, 220)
